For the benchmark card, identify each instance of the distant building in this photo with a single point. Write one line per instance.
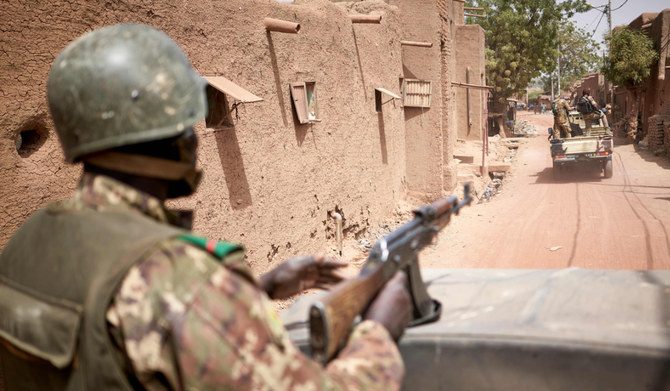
(546, 99)
(653, 96)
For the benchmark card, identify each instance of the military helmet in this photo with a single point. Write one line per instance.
(121, 85)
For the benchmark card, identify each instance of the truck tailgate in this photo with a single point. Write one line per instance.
(581, 145)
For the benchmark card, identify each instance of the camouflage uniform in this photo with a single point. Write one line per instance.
(593, 116)
(185, 322)
(561, 126)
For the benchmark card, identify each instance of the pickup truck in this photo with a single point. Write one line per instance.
(593, 150)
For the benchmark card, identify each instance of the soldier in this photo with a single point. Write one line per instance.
(589, 109)
(104, 292)
(561, 109)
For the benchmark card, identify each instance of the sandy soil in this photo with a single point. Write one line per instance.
(584, 220)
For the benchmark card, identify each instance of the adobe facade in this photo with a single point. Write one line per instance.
(650, 102)
(596, 83)
(470, 69)
(271, 182)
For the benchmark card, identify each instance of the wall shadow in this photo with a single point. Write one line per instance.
(233, 168)
(360, 65)
(275, 70)
(382, 137)
(407, 74)
(413, 112)
(661, 161)
(300, 129)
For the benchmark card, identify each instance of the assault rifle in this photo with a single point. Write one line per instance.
(331, 317)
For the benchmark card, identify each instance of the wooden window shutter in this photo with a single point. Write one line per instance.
(416, 93)
(299, 98)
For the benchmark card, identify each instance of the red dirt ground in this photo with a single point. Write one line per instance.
(583, 221)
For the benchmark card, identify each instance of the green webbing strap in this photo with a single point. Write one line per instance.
(218, 249)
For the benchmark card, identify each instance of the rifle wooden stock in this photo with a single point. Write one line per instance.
(331, 318)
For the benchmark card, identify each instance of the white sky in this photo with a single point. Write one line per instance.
(623, 12)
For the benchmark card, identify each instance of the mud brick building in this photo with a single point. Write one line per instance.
(339, 117)
(653, 105)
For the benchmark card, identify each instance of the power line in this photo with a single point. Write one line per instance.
(665, 44)
(624, 3)
(596, 29)
(593, 21)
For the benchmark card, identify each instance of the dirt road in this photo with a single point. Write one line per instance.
(584, 220)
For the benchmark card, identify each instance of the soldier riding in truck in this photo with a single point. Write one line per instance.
(579, 149)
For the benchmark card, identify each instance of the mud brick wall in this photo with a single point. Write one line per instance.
(656, 133)
(270, 182)
(469, 44)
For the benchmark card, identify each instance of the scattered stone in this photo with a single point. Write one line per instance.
(364, 245)
(524, 128)
(494, 188)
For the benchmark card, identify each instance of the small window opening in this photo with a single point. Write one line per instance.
(218, 109)
(30, 140)
(312, 108)
(304, 99)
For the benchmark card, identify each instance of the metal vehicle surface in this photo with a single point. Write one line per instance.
(518, 329)
(593, 150)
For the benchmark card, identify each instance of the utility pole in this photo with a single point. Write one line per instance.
(608, 10)
(609, 19)
(558, 69)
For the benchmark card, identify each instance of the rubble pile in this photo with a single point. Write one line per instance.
(494, 188)
(524, 128)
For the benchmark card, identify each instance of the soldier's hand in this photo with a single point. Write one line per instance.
(300, 273)
(392, 307)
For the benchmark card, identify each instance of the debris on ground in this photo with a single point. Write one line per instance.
(510, 156)
(494, 188)
(524, 128)
(644, 143)
(364, 245)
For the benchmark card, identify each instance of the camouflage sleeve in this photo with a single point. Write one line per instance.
(566, 105)
(188, 323)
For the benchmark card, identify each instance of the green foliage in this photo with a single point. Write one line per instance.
(630, 60)
(533, 95)
(521, 40)
(579, 55)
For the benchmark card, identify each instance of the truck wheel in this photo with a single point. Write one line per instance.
(608, 169)
(557, 172)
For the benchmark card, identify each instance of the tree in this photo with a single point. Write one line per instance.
(521, 42)
(629, 65)
(578, 54)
